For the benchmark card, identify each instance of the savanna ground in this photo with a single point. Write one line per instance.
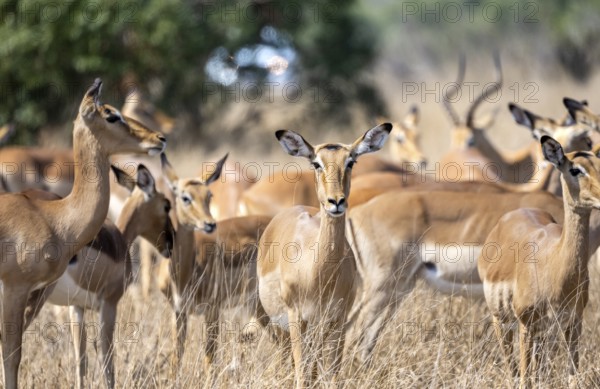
(433, 341)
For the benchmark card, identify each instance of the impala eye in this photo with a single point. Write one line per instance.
(316, 165)
(351, 164)
(575, 171)
(187, 200)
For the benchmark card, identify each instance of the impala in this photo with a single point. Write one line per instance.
(97, 277)
(314, 289)
(223, 276)
(66, 225)
(191, 211)
(552, 285)
(471, 149)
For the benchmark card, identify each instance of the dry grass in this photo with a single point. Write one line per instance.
(433, 341)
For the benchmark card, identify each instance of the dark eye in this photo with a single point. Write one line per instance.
(107, 111)
(351, 164)
(187, 200)
(316, 165)
(575, 172)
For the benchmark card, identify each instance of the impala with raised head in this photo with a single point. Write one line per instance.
(552, 286)
(314, 290)
(45, 234)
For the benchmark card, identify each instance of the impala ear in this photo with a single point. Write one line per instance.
(553, 151)
(145, 181)
(372, 140)
(214, 176)
(294, 144)
(522, 116)
(123, 178)
(87, 108)
(169, 172)
(412, 118)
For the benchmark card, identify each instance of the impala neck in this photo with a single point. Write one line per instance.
(183, 257)
(332, 239)
(81, 214)
(125, 224)
(484, 145)
(573, 245)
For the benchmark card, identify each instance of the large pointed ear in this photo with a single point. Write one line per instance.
(294, 144)
(169, 172)
(87, 108)
(372, 140)
(580, 112)
(553, 151)
(412, 118)
(522, 116)
(214, 176)
(145, 181)
(123, 178)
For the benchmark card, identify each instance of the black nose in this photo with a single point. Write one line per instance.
(210, 227)
(162, 138)
(337, 203)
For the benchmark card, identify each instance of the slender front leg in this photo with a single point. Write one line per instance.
(212, 335)
(333, 348)
(14, 302)
(108, 317)
(79, 342)
(296, 338)
(572, 335)
(181, 318)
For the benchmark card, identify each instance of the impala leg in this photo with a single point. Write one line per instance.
(572, 335)
(181, 318)
(79, 342)
(333, 349)
(296, 339)
(35, 302)
(14, 302)
(212, 332)
(505, 339)
(108, 317)
(371, 321)
(525, 351)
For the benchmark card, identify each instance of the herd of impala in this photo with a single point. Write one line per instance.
(319, 264)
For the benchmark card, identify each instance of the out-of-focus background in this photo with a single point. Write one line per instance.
(231, 72)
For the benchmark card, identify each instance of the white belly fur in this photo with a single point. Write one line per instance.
(67, 292)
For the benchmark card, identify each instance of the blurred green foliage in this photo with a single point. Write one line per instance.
(52, 50)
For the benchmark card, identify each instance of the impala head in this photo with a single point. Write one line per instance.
(464, 133)
(573, 136)
(333, 163)
(581, 113)
(404, 139)
(580, 174)
(115, 132)
(146, 211)
(192, 196)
